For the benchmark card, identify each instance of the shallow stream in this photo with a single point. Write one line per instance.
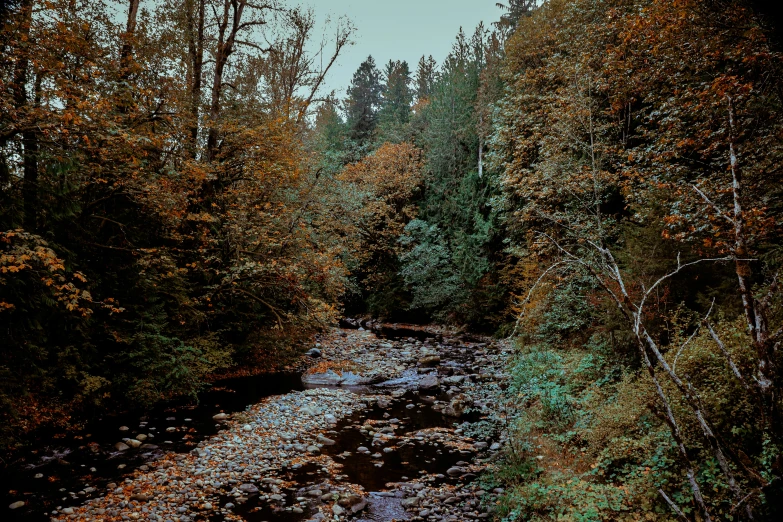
(84, 463)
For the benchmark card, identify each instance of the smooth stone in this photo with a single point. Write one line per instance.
(429, 382)
(16, 505)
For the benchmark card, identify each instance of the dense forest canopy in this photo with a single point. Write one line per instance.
(599, 180)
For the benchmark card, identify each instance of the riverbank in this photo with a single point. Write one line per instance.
(397, 438)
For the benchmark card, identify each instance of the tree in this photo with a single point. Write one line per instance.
(425, 78)
(364, 102)
(397, 95)
(596, 148)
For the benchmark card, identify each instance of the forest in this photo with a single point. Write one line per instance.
(598, 182)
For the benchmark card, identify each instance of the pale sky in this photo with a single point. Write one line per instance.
(400, 30)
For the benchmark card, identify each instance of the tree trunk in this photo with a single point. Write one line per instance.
(127, 46)
(5, 174)
(196, 52)
(232, 11)
(21, 102)
(30, 185)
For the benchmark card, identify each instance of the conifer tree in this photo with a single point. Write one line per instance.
(425, 78)
(397, 94)
(364, 101)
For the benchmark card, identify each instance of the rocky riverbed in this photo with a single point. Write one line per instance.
(391, 429)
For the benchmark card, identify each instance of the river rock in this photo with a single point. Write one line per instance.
(220, 417)
(327, 378)
(325, 440)
(411, 502)
(133, 443)
(430, 362)
(315, 353)
(248, 488)
(16, 505)
(455, 471)
(429, 382)
(121, 446)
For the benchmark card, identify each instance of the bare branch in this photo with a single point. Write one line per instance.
(726, 354)
(672, 505)
(715, 207)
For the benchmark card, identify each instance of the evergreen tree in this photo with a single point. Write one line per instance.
(397, 94)
(514, 11)
(425, 78)
(364, 102)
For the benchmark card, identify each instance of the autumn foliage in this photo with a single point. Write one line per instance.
(151, 199)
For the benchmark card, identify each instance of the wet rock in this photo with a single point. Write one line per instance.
(121, 446)
(133, 443)
(16, 505)
(315, 353)
(220, 417)
(327, 378)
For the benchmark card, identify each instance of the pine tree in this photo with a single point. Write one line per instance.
(514, 11)
(397, 94)
(425, 78)
(364, 101)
